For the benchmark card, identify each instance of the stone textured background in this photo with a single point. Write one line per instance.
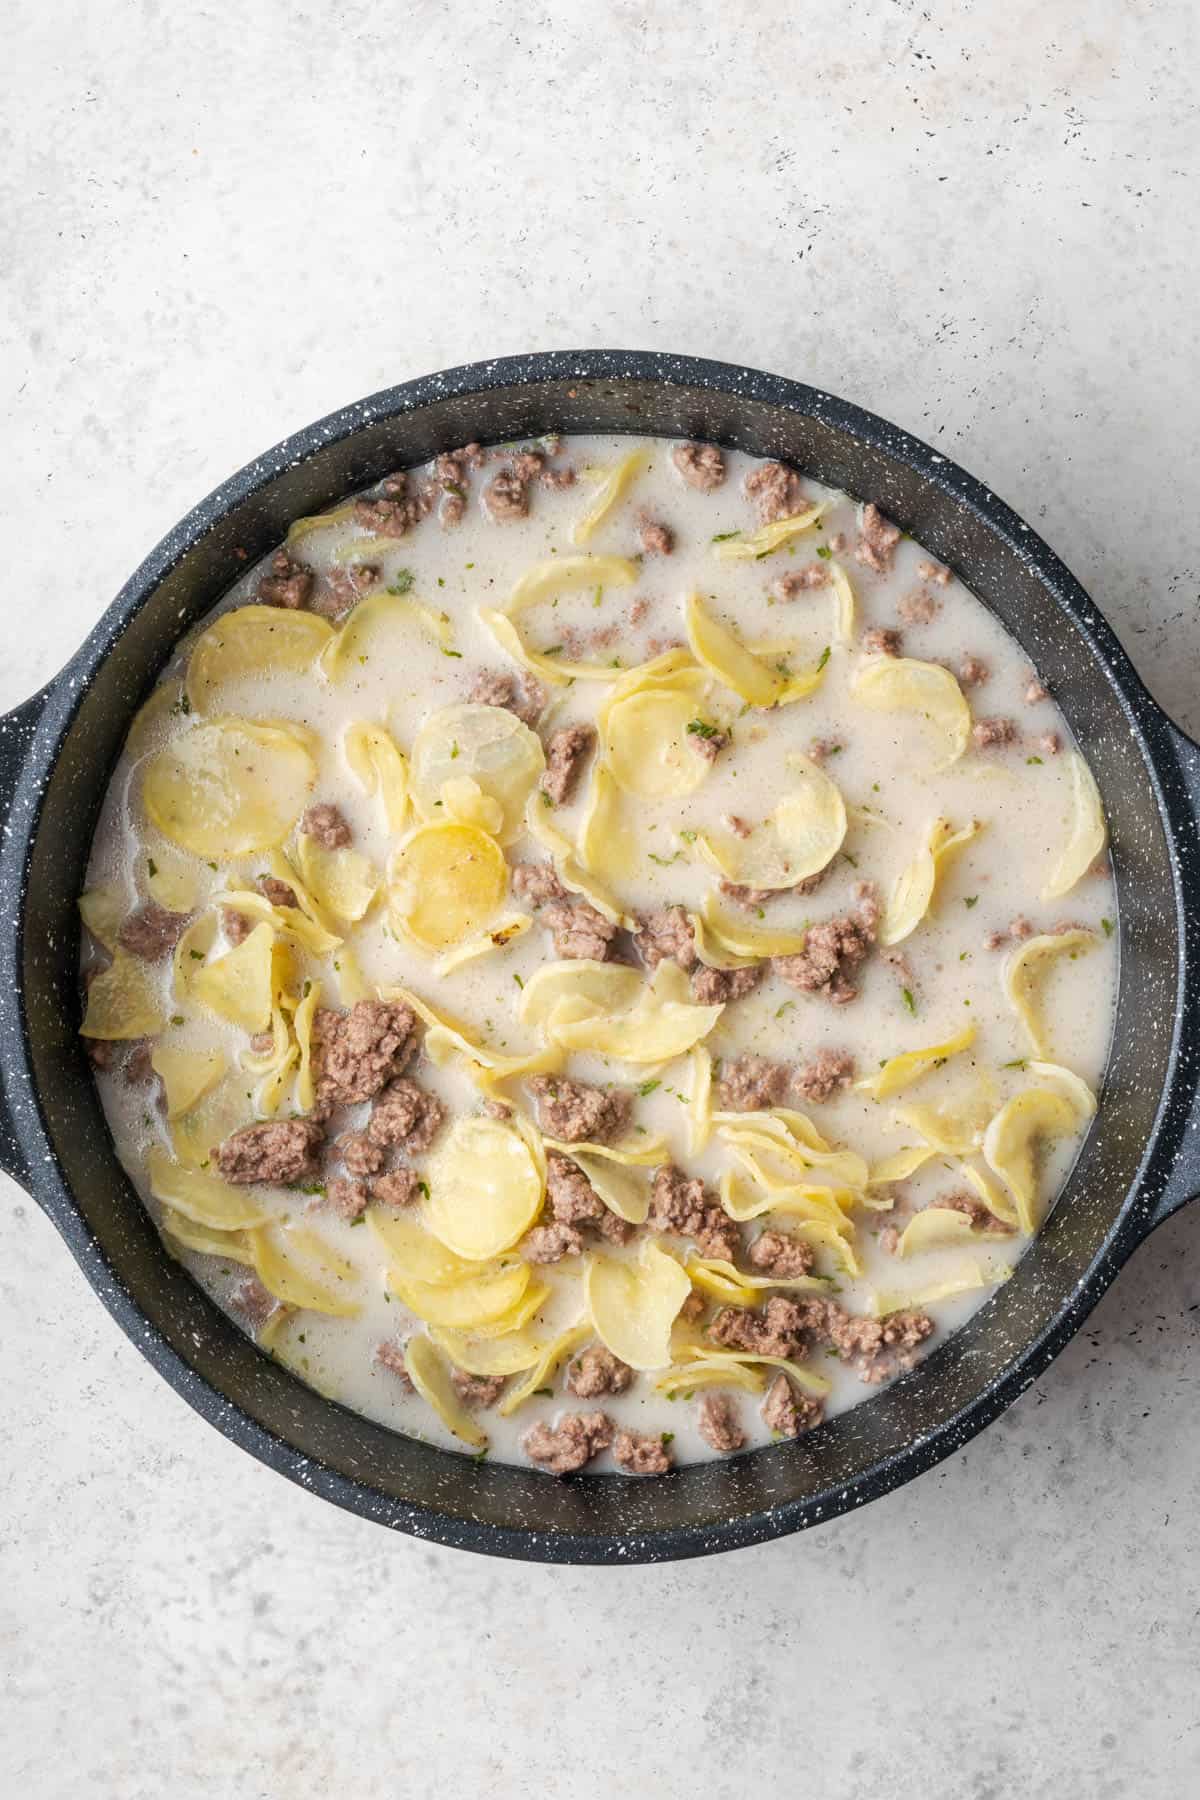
(222, 221)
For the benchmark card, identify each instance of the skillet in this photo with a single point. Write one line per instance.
(1139, 1163)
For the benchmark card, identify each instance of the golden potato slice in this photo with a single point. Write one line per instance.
(447, 882)
(485, 1188)
(253, 640)
(228, 787)
(487, 744)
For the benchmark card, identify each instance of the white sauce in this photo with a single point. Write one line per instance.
(1024, 804)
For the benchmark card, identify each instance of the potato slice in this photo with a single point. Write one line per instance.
(547, 665)
(469, 1305)
(749, 943)
(568, 575)
(721, 1280)
(1088, 833)
(820, 1204)
(1023, 972)
(122, 1001)
(379, 628)
(380, 769)
(103, 911)
(1010, 1140)
(429, 1373)
(239, 986)
(965, 1280)
(624, 1193)
(510, 1355)
(934, 1228)
(634, 1305)
(652, 745)
(187, 1075)
(487, 744)
(900, 1164)
(606, 987)
(553, 1356)
(765, 681)
(754, 545)
(899, 1072)
(415, 1253)
(447, 882)
(800, 838)
(153, 717)
(342, 881)
(301, 1269)
(912, 895)
(612, 490)
(485, 1188)
(204, 1239)
(205, 1199)
(902, 684)
(228, 787)
(253, 640)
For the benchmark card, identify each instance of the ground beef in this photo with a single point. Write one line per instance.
(717, 1423)
(255, 1302)
(1050, 743)
(833, 949)
(139, 1070)
(478, 1390)
(828, 1071)
(358, 1051)
(988, 734)
(399, 1187)
(566, 752)
(598, 1372)
(558, 478)
(348, 1197)
(550, 1243)
(1016, 932)
(327, 824)
(780, 1328)
(701, 465)
(289, 583)
(101, 1052)
(800, 581)
(821, 749)
(344, 588)
(778, 1253)
(405, 1115)
(573, 1199)
(152, 932)
(575, 1112)
(709, 743)
(775, 490)
(236, 925)
(752, 899)
(666, 936)
(580, 932)
(564, 1448)
(277, 892)
(882, 641)
(279, 1150)
(931, 571)
(656, 539)
(360, 1155)
(693, 1307)
(507, 496)
(537, 883)
(396, 507)
(682, 1204)
(877, 540)
(789, 1412)
(519, 694)
(640, 1453)
(716, 987)
(877, 1348)
(1035, 690)
(972, 671)
(918, 608)
(751, 1083)
(982, 1218)
(390, 1355)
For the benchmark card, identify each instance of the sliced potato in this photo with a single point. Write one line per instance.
(253, 641)
(447, 882)
(228, 787)
(930, 692)
(488, 745)
(634, 1305)
(1088, 833)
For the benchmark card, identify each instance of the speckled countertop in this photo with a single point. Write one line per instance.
(222, 222)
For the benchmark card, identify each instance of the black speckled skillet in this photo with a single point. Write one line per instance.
(1141, 1159)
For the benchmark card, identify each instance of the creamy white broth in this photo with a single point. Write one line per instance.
(1021, 794)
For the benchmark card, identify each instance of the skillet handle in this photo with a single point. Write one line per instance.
(1183, 1180)
(17, 730)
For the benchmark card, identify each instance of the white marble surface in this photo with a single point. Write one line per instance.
(223, 221)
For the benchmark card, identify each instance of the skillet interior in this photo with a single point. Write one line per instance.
(508, 1510)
